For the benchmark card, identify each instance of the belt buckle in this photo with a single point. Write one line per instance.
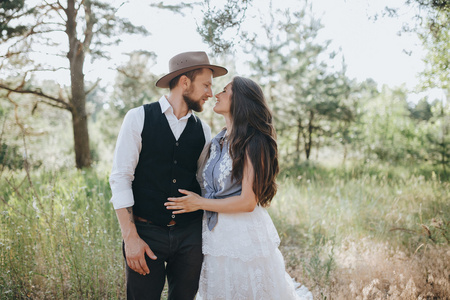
(171, 223)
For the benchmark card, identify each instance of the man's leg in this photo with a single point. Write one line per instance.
(184, 265)
(149, 286)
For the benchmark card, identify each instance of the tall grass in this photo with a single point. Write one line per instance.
(355, 232)
(59, 238)
(366, 232)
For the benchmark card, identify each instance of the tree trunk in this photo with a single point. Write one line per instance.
(79, 117)
(308, 142)
(76, 57)
(297, 142)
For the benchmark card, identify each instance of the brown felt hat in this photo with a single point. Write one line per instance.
(188, 61)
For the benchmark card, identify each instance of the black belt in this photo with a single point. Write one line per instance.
(139, 219)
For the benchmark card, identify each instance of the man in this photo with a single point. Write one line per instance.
(156, 154)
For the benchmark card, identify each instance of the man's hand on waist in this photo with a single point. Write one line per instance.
(135, 250)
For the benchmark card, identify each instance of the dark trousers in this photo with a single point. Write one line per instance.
(179, 252)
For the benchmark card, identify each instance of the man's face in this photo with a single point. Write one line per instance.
(199, 91)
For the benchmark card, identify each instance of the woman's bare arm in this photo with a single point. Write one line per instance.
(245, 202)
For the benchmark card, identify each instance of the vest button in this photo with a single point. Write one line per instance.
(176, 144)
(174, 181)
(173, 216)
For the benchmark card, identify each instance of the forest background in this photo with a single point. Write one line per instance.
(363, 206)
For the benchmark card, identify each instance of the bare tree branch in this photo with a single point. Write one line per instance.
(56, 7)
(10, 54)
(122, 71)
(31, 31)
(52, 54)
(93, 86)
(16, 110)
(51, 104)
(47, 31)
(50, 70)
(90, 21)
(21, 39)
(39, 93)
(18, 15)
(79, 6)
(54, 23)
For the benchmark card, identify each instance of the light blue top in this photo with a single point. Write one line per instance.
(217, 175)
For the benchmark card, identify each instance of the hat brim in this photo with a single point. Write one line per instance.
(164, 81)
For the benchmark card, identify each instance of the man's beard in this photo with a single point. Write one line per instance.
(191, 103)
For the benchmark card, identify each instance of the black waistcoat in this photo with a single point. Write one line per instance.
(166, 165)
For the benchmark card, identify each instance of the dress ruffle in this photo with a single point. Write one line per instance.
(242, 261)
(263, 278)
(241, 235)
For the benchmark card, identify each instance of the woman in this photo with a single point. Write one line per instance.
(240, 242)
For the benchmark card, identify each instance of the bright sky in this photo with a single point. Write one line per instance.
(372, 49)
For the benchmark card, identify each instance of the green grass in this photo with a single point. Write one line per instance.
(376, 201)
(319, 210)
(60, 239)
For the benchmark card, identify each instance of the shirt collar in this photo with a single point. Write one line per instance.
(165, 106)
(219, 136)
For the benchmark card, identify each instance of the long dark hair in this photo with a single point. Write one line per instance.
(253, 134)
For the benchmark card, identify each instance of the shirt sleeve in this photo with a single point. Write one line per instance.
(126, 157)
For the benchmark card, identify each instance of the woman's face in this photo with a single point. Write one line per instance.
(223, 103)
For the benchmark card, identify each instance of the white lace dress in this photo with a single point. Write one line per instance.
(241, 255)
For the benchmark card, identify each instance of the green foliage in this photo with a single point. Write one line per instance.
(177, 8)
(58, 235)
(10, 157)
(318, 267)
(135, 83)
(322, 211)
(394, 131)
(89, 26)
(8, 13)
(386, 126)
(437, 60)
(361, 200)
(438, 136)
(216, 22)
(431, 22)
(29, 127)
(308, 100)
(109, 27)
(49, 18)
(421, 111)
(434, 15)
(135, 86)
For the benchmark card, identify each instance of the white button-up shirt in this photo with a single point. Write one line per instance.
(128, 148)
